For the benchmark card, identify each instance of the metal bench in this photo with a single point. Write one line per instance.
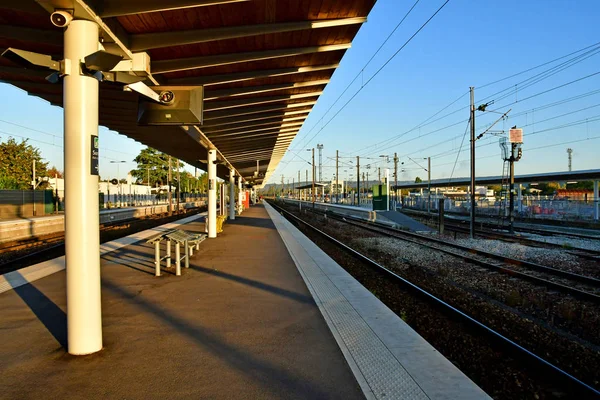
(156, 240)
(189, 241)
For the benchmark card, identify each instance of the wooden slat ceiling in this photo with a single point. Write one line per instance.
(263, 64)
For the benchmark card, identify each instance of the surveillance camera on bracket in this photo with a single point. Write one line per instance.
(176, 105)
(61, 18)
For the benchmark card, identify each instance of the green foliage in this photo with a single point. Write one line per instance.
(16, 163)
(154, 165)
(586, 185)
(549, 188)
(54, 172)
(497, 189)
(418, 180)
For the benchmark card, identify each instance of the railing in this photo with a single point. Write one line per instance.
(528, 207)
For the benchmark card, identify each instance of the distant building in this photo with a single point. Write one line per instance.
(575, 194)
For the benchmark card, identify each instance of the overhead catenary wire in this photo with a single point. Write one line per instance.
(376, 73)
(544, 74)
(364, 66)
(501, 107)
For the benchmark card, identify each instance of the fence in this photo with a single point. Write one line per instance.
(26, 203)
(538, 207)
(117, 200)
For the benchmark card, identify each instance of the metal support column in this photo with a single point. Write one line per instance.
(212, 194)
(337, 176)
(511, 194)
(82, 231)
(472, 217)
(232, 194)
(240, 193)
(428, 185)
(596, 202)
(313, 178)
(358, 179)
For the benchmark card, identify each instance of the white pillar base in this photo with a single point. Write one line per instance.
(82, 233)
(212, 194)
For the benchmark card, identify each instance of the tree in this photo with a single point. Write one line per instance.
(497, 189)
(548, 188)
(54, 172)
(418, 180)
(586, 185)
(154, 164)
(16, 164)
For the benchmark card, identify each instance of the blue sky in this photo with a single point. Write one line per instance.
(467, 44)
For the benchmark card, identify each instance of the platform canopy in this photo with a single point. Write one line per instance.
(263, 65)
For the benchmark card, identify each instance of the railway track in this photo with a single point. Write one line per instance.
(495, 226)
(21, 254)
(492, 232)
(506, 237)
(580, 286)
(574, 385)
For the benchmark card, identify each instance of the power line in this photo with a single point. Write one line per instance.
(537, 66)
(516, 115)
(376, 73)
(365, 66)
(539, 77)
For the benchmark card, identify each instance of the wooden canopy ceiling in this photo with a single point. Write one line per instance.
(263, 65)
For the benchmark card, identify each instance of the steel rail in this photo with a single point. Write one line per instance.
(574, 383)
(542, 268)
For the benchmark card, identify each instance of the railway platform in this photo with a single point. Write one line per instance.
(33, 227)
(260, 313)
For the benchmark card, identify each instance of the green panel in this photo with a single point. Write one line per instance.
(380, 198)
(48, 201)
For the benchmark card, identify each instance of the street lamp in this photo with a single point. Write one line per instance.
(118, 178)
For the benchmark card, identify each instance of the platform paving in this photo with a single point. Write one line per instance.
(240, 323)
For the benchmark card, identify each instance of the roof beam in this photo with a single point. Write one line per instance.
(115, 8)
(223, 105)
(216, 94)
(52, 37)
(148, 41)
(246, 76)
(183, 64)
(243, 128)
(241, 142)
(255, 110)
(292, 116)
(243, 132)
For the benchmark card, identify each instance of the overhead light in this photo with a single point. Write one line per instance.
(30, 59)
(102, 61)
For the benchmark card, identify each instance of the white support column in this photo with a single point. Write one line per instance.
(240, 193)
(212, 194)
(82, 232)
(596, 201)
(232, 194)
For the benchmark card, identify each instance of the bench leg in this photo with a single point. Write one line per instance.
(198, 246)
(157, 258)
(192, 250)
(187, 254)
(177, 259)
(168, 253)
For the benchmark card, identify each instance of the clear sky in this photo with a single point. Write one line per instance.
(468, 43)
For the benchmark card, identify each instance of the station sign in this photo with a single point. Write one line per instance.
(515, 135)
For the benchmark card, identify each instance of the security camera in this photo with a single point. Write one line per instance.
(61, 18)
(167, 97)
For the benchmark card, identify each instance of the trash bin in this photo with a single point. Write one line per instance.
(220, 220)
